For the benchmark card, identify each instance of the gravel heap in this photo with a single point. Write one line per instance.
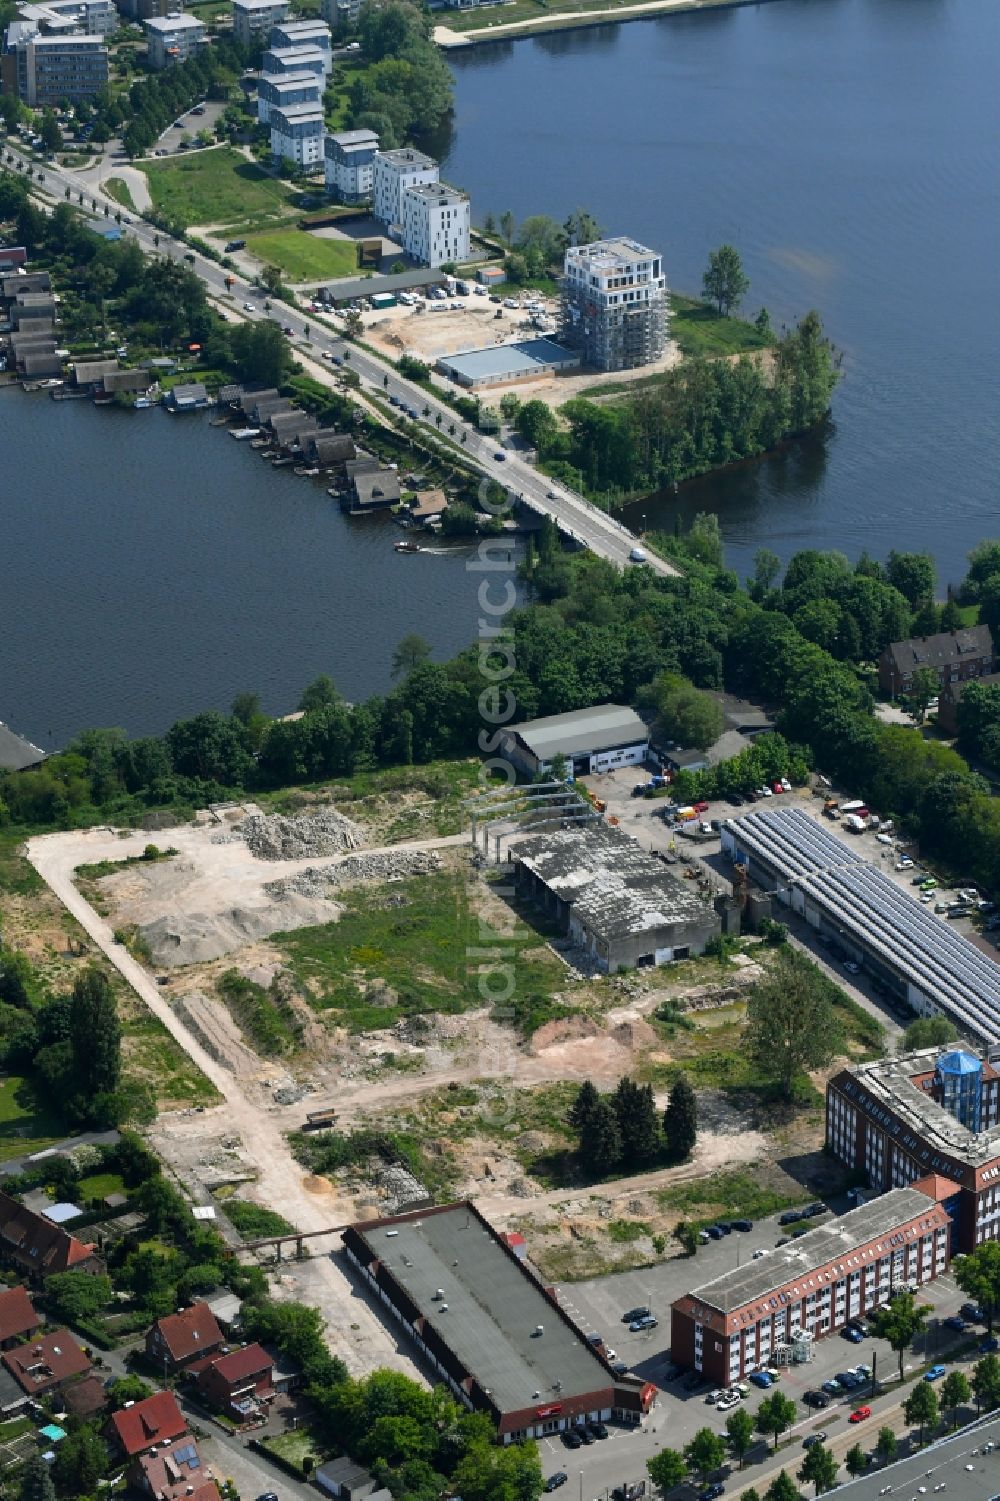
(400, 1190)
(325, 832)
(316, 880)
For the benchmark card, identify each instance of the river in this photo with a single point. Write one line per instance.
(150, 568)
(849, 148)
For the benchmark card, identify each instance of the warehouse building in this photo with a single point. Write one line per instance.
(931, 1112)
(508, 364)
(489, 1329)
(589, 741)
(769, 1311)
(910, 952)
(612, 899)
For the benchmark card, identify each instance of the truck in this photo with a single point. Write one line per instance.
(854, 824)
(462, 288)
(854, 806)
(319, 1120)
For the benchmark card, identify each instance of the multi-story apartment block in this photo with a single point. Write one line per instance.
(294, 60)
(275, 90)
(395, 171)
(297, 133)
(350, 164)
(253, 19)
(65, 17)
(144, 10)
(614, 306)
(932, 1112)
(172, 39)
(771, 1310)
(314, 33)
(435, 222)
(956, 657)
(340, 15)
(49, 69)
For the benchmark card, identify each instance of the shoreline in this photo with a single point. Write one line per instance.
(451, 41)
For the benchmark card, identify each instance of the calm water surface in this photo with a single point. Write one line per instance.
(849, 148)
(150, 567)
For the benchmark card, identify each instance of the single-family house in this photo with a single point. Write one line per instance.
(46, 1363)
(237, 1383)
(174, 1471)
(86, 1399)
(144, 1425)
(34, 1245)
(17, 1316)
(178, 1340)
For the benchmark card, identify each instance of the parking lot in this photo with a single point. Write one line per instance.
(677, 1415)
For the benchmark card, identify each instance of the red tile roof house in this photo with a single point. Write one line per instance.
(236, 1383)
(142, 1425)
(17, 1316)
(182, 1338)
(40, 1248)
(46, 1363)
(174, 1472)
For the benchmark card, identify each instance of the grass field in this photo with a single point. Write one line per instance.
(381, 962)
(725, 1194)
(216, 187)
(482, 18)
(119, 191)
(27, 1124)
(152, 1054)
(254, 1221)
(304, 257)
(699, 329)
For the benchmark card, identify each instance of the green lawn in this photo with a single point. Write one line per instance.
(725, 1194)
(27, 1124)
(119, 191)
(99, 1185)
(699, 329)
(218, 186)
(386, 958)
(305, 257)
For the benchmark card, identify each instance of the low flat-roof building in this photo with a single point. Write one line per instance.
(497, 1338)
(936, 1111)
(913, 954)
(589, 740)
(751, 1317)
(509, 364)
(614, 901)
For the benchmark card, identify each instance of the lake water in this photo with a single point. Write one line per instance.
(849, 148)
(150, 567)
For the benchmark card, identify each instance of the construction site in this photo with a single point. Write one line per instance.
(333, 984)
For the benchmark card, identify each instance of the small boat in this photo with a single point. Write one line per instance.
(241, 434)
(144, 403)
(405, 547)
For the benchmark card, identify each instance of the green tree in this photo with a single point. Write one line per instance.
(492, 1472)
(750, 1494)
(536, 423)
(766, 568)
(261, 353)
(978, 1275)
(320, 694)
(507, 225)
(684, 713)
(886, 1445)
(782, 1488)
(775, 1414)
(912, 573)
(95, 1036)
(955, 1392)
(819, 1468)
(582, 1108)
(791, 1023)
(637, 1123)
(73, 1296)
(412, 652)
(667, 1470)
(739, 1433)
(680, 1119)
(725, 283)
(705, 1453)
(762, 323)
(856, 1460)
(18, 984)
(49, 131)
(921, 1407)
(924, 685)
(36, 1481)
(899, 1322)
(80, 1461)
(928, 1032)
(128, 1389)
(601, 1140)
(986, 1383)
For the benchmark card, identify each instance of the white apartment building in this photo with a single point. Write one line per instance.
(615, 303)
(295, 60)
(297, 133)
(435, 222)
(172, 39)
(251, 18)
(64, 17)
(50, 69)
(313, 33)
(395, 171)
(350, 164)
(275, 90)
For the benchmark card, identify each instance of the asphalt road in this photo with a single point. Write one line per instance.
(575, 516)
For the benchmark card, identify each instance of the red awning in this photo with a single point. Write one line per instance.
(551, 1410)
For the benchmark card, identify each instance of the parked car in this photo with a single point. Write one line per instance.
(860, 1414)
(815, 1399)
(555, 1481)
(585, 1436)
(848, 1380)
(716, 1395)
(731, 1399)
(500, 456)
(972, 1311)
(989, 1345)
(957, 1323)
(833, 1388)
(790, 1217)
(860, 1326)
(637, 1326)
(816, 1208)
(741, 1224)
(712, 1492)
(599, 1430)
(760, 1252)
(619, 1367)
(714, 1232)
(935, 1373)
(854, 1335)
(571, 1439)
(761, 1379)
(638, 1312)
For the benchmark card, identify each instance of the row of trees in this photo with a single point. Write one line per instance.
(698, 417)
(624, 1130)
(156, 100)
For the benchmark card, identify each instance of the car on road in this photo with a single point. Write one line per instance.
(555, 1481)
(551, 495)
(852, 967)
(860, 1414)
(935, 1373)
(854, 1335)
(267, 1496)
(571, 1439)
(815, 1399)
(813, 1440)
(761, 1379)
(248, 307)
(646, 1322)
(638, 555)
(711, 1492)
(500, 456)
(639, 1312)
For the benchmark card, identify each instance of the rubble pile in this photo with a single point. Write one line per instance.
(310, 835)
